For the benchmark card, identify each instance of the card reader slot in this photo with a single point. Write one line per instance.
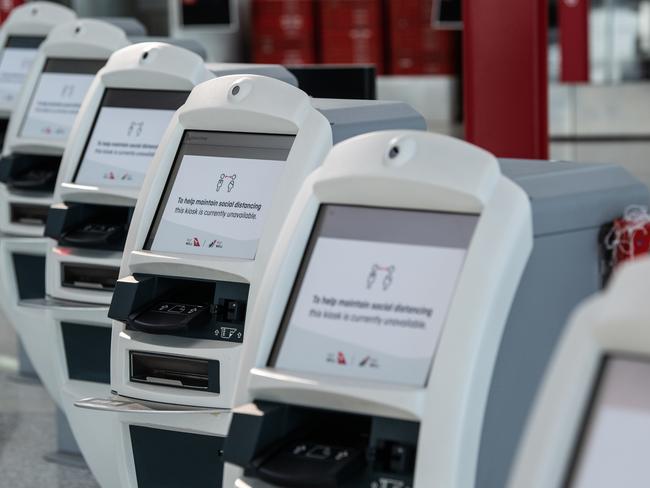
(28, 214)
(302, 447)
(174, 371)
(101, 278)
(201, 309)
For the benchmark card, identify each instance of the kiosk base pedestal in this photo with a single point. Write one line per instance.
(26, 372)
(67, 453)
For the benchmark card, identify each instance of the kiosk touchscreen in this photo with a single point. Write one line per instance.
(591, 423)
(385, 318)
(20, 37)
(213, 201)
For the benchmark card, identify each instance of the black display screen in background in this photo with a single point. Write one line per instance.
(448, 14)
(68, 65)
(24, 42)
(205, 12)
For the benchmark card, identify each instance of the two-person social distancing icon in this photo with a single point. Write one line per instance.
(231, 183)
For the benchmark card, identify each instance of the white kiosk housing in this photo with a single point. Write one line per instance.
(20, 36)
(363, 313)
(216, 195)
(398, 303)
(591, 423)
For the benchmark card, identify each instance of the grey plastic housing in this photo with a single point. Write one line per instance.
(349, 118)
(131, 26)
(190, 44)
(570, 202)
(271, 70)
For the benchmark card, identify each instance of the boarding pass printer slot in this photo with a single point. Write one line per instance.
(89, 277)
(28, 214)
(174, 371)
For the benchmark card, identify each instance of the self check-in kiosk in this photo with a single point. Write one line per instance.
(216, 195)
(122, 120)
(45, 110)
(20, 37)
(591, 423)
(403, 271)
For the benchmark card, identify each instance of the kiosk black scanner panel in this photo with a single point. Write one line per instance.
(200, 309)
(91, 226)
(29, 172)
(299, 447)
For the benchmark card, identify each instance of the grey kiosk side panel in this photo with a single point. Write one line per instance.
(350, 118)
(570, 203)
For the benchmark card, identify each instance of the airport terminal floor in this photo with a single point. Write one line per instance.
(28, 429)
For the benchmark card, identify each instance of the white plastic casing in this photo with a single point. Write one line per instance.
(164, 67)
(260, 105)
(80, 39)
(612, 322)
(31, 19)
(431, 172)
(222, 42)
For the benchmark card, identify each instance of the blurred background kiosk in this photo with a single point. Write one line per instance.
(45, 110)
(20, 36)
(591, 422)
(126, 111)
(220, 186)
(124, 116)
(390, 322)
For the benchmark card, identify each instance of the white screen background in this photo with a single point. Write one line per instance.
(615, 451)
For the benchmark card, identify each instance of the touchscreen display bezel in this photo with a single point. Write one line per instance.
(590, 413)
(71, 66)
(283, 144)
(315, 235)
(136, 98)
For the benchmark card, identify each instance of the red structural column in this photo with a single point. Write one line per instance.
(505, 85)
(573, 16)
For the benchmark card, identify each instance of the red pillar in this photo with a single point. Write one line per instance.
(573, 16)
(505, 88)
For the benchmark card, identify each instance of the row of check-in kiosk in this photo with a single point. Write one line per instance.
(224, 282)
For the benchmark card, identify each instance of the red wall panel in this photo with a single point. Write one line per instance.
(505, 84)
